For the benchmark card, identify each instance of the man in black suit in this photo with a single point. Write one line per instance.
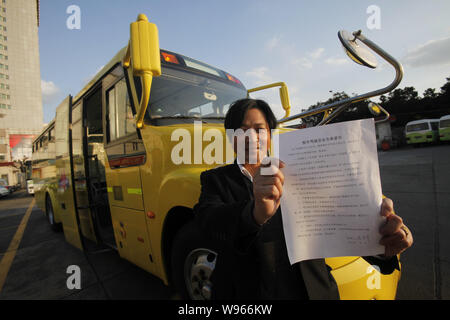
(239, 210)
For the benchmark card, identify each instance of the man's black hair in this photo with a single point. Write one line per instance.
(236, 113)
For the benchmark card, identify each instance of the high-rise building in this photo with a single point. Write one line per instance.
(21, 114)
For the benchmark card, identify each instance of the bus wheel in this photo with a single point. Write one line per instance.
(192, 264)
(51, 215)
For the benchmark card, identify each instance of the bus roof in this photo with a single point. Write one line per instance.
(116, 59)
(422, 121)
(46, 128)
(184, 62)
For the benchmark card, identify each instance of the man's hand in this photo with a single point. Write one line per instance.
(267, 192)
(396, 236)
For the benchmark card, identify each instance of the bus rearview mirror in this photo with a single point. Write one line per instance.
(356, 50)
(377, 110)
(374, 108)
(144, 47)
(284, 95)
(145, 59)
(285, 101)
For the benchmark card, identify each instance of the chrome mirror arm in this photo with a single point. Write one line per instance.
(345, 103)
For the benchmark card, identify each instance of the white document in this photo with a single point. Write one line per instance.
(332, 191)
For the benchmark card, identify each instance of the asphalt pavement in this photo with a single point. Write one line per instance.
(40, 266)
(418, 181)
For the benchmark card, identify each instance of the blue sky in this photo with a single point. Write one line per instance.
(257, 41)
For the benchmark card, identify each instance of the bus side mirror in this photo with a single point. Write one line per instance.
(145, 59)
(284, 95)
(144, 47)
(356, 50)
(285, 101)
(376, 110)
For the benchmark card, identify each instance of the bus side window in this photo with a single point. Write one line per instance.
(120, 114)
(434, 126)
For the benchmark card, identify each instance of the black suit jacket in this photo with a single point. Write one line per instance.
(253, 261)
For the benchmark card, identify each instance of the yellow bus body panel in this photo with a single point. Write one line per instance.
(358, 280)
(130, 233)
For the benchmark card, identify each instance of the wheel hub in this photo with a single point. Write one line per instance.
(199, 266)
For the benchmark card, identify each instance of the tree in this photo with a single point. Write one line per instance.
(406, 105)
(407, 94)
(445, 89)
(430, 93)
(357, 110)
(445, 93)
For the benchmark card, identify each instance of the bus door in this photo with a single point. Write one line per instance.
(65, 190)
(85, 173)
(94, 162)
(125, 153)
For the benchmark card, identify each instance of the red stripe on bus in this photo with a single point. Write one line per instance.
(127, 161)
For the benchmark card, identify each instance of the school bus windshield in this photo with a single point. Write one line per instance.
(417, 127)
(179, 96)
(445, 124)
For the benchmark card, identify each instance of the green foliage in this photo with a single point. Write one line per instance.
(407, 106)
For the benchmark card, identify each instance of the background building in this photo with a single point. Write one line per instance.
(21, 114)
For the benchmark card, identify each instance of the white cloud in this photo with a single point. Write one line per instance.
(434, 52)
(303, 63)
(316, 54)
(336, 61)
(306, 62)
(272, 43)
(260, 75)
(50, 92)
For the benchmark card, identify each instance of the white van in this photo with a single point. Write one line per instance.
(30, 187)
(444, 128)
(422, 131)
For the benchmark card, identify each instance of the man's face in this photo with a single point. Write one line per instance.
(253, 139)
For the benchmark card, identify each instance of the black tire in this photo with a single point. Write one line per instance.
(51, 215)
(193, 261)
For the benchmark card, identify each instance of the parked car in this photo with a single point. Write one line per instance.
(4, 184)
(3, 191)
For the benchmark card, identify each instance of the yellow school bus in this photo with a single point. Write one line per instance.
(110, 180)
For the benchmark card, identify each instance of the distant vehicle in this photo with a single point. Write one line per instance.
(3, 191)
(30, 187)
(444, 128)
(422, 131)
(5, 184)
(29, 176)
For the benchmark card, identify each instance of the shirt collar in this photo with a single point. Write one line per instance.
(245, 172)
